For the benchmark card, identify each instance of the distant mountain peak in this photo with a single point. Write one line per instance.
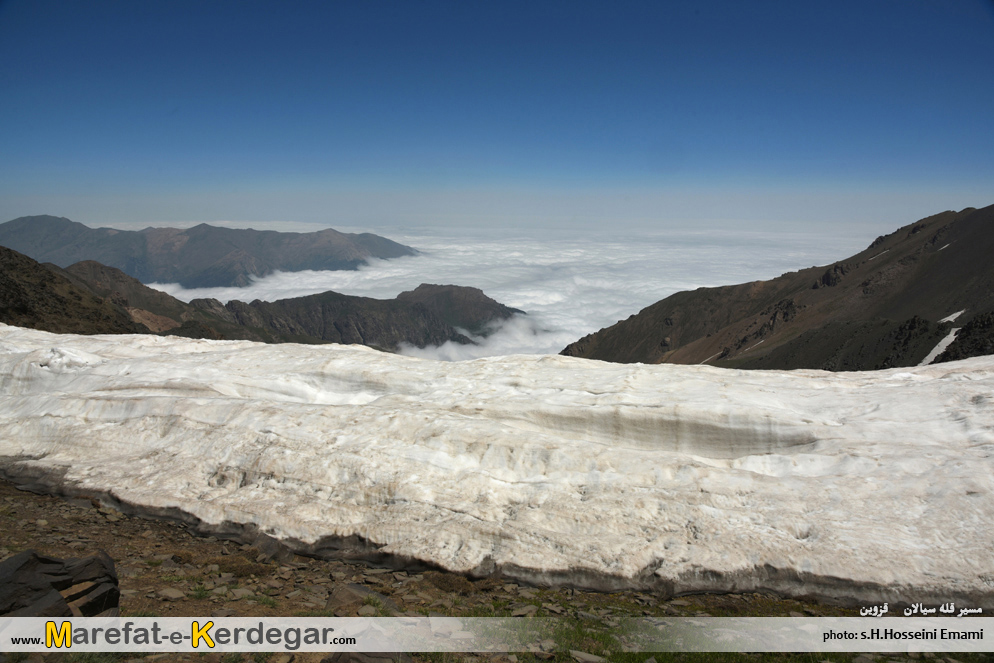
(197, 257)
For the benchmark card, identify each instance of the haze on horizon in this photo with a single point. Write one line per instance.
(569, 115)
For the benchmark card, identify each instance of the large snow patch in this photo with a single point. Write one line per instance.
(859, 486)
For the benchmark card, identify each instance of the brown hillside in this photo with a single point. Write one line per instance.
(33, 296)
(876, 309)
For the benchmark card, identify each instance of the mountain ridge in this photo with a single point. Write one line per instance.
(198, 257)
(91, 298)
(882, 307)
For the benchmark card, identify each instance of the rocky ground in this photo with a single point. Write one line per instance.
(166, 570)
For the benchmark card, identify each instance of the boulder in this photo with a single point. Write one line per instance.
(34, 585)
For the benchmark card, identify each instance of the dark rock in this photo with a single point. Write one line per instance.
(830, 278)
(974, 339)
(34, 585)
(878, 241)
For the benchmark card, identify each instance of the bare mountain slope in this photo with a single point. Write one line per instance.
(877, 309)
(460, 306)
(428, 315)
(202, 256)
(90, 298)
(34, 296)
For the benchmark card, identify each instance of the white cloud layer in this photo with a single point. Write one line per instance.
(570, 286)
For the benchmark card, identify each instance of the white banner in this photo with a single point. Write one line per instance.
(477, 634)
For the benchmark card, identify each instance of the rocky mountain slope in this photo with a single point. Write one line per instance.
(198, 257)
(420, 317)
(92, 298)
(887, 306)
(459, 306)
(33, 296)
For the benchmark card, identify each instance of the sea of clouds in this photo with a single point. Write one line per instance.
(570, 285)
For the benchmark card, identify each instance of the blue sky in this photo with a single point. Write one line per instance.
(383, 113)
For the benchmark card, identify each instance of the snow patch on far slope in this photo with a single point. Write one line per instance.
(946, 341)
(952, 318)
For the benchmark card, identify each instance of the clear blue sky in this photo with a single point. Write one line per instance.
(476, 112)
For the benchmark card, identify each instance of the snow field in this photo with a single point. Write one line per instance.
(855, 486)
